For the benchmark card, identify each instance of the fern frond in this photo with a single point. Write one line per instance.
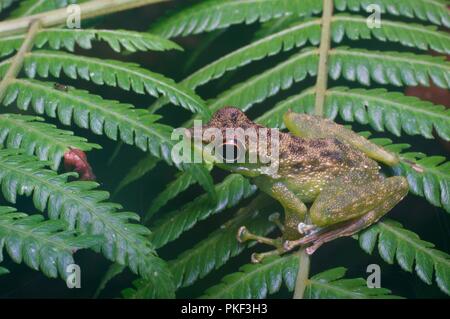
(220, 246)
(83, 207)
(434, 11)
(114, 270)
(172, 190)
(141, 168)
(331, 285)
(217, 14)
(58, 38)
(30, 7)
(428, 177)
(380, 108)
(115, 120)
(44, 140)
(110, 72)
(404, 246)
(408, 34)
(42, 245)
(256, 281)
(4, 4)
(3, 271)
(388, 67)
(391, 110)
(270, 82)
(233, 189)
(294, 36)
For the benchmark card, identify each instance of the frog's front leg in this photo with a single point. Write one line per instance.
(350, 204)
(294, 209)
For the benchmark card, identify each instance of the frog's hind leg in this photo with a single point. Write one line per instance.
(349, 205)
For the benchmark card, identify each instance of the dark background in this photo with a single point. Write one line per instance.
(416, 214)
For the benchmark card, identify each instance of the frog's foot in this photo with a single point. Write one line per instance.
(258, 257)
(244, 235)
(305, 229)
(275, 218)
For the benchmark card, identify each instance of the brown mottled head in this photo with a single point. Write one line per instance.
(230, 117)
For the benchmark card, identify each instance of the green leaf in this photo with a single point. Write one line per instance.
(256, 281)
(115, 120)
(331, 285)
(217, 14)
(44, 140)
(3, 271)
(40, 244)
(292, 37)
(434, 11)
(270, 82)
(141, 168)
(394, 68)
(83, 207)
(221, 245)
(113, 271)
(58, 38)
(233, 189)
(408, 34)
(409, 251)
(4, 4)
(172, 190)
(30, 7)
(428, 177)
(110, 72)
(391, 110)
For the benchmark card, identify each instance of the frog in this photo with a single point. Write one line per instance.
(329, 181)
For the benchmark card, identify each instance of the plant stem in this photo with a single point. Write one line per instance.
(302, 275)
(88, 9)
(322, 73)
(16, 64)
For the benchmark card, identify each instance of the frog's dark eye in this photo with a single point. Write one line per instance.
(231, 151)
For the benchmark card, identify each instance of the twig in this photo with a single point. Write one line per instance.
(88, 9)
(17, 61)
(322, 73)
(302, 274)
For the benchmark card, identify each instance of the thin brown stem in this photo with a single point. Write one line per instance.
(302, 274)
(17, 61)
(322, 73)
(88, 9)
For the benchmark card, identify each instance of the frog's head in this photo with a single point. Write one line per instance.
(232, 133)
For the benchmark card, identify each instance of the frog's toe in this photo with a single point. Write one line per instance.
(305, 229)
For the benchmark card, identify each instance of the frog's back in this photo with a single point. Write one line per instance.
(323, 157)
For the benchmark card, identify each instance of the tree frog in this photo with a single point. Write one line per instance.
(323, 165)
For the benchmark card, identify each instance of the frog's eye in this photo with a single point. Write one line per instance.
(232, 151)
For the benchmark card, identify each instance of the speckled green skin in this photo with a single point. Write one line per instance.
(327, 165)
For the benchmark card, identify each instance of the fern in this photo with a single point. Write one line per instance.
(214, 251)
(395, 242)
(307, 33)
(115, 120)
(83, 208)
(173, 189)
(329, 284)
(3, 271)
(217, 14)
(41, 245)
(256, 281)
(379, 108)
(110, 72)
(229, 192)
(30, 7)
(57, 38)
(44, 140)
